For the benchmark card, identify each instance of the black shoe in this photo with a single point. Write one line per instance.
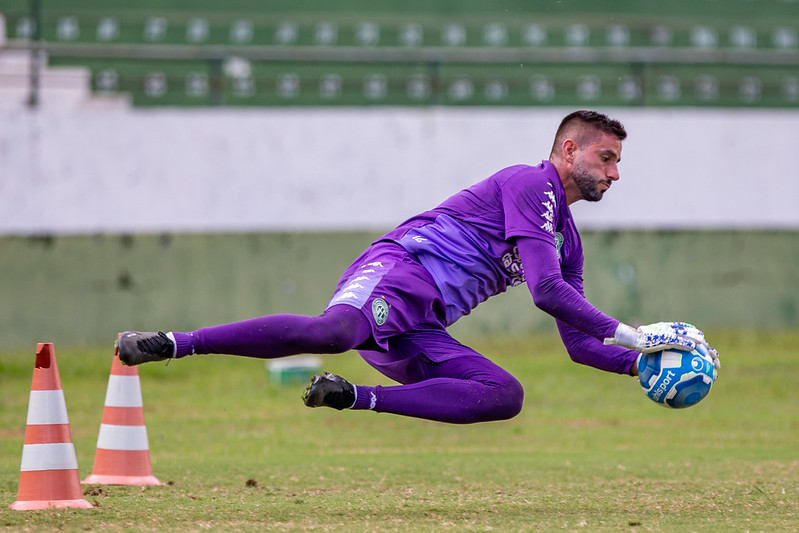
(329, 390)
(136, 347)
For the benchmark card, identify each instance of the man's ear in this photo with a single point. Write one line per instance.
(568, 151)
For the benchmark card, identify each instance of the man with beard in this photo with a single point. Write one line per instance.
(394, 303)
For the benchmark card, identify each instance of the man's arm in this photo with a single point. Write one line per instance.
(565, 301)
(582, 327)
(553, 295)
(592, 352)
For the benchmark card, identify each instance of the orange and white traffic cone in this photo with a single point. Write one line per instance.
(123, 451)
(48, 476)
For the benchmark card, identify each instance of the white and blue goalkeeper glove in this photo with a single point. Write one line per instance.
(662, 336)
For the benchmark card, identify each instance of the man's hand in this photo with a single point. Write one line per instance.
(663, 336)
(659, 336)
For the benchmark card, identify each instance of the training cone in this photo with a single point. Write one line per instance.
(48, 476)
(123, 453)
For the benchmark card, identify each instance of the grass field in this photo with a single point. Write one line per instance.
(588, 453)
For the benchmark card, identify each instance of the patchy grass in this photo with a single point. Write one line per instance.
(588, 453)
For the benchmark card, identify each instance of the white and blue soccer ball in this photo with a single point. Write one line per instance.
(675, 378)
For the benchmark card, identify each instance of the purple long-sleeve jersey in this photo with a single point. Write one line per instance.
(514, 227)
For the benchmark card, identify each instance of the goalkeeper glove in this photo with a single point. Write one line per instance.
(658, 336)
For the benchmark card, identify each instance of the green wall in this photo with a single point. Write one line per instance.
(81, 290)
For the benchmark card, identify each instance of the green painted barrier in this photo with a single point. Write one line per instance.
(81, 290)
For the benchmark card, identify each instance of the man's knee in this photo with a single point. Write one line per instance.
(342, 327)
(510, 398)
(503, 400)
(341, 340)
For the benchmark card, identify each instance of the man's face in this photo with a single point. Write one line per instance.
(596, 167)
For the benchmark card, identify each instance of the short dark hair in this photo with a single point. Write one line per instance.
(594, 120)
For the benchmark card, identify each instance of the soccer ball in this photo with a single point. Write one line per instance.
(676, 379)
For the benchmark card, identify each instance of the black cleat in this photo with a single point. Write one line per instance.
(136, 347)
(329, 390)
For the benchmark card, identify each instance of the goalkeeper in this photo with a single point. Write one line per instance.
(394, 303)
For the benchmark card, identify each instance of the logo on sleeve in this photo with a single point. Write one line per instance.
(549, 206)
(379, 311)
(558, 243)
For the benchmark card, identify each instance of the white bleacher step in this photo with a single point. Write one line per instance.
(58, 86)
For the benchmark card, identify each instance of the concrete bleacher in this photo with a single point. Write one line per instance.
(57, 86)
(679, 53)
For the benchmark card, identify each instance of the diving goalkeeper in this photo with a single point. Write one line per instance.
(394, 303)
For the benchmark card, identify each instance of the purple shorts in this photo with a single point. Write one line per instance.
(393, 291)
(405, 310)
(400, 299)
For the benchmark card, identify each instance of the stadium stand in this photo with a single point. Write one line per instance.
(281, 53)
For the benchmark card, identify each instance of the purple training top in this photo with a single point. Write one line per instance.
(513, 227)
(467, 244)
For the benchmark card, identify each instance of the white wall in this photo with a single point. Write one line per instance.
(91, 169)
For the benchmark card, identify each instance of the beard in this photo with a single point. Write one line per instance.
(587, 183)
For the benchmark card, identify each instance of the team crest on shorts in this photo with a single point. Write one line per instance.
(380, 311)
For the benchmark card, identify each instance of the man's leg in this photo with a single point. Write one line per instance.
(442, 380)
(463, 390)
(338, 329)
(385, 291)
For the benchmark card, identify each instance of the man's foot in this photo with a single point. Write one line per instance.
(136, 347)
(329, 390)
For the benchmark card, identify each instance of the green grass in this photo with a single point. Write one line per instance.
(588, 453)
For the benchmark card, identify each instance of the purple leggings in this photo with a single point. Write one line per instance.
(441, 379)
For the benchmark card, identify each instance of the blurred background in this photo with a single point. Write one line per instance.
(175, 164)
